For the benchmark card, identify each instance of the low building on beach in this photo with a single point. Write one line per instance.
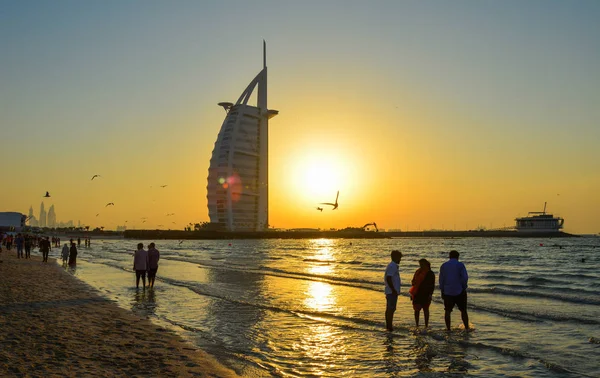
(12, 221)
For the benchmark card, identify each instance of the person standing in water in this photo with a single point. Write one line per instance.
(153, 257)
(140, 265)
(392, 288)
(73, 254)
(65, 253)
(453, 284)
(423, 285)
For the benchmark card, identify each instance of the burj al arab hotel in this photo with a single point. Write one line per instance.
(238, 190)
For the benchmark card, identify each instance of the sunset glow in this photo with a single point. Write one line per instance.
(416, 125)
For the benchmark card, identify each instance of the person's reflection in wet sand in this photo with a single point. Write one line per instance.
(424, 353)
(144, 303)
(391, 359)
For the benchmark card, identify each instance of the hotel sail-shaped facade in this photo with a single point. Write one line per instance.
(237, 190)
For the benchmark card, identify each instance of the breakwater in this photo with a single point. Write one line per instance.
(341, 234)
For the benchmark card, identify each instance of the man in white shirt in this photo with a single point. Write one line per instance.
(140, 265)
(392, 288)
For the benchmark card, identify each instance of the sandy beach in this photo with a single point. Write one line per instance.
(51, 324)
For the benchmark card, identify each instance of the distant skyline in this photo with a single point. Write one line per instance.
(422, 114)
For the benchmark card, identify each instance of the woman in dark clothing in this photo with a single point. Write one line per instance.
(73, 254)
(423, 285)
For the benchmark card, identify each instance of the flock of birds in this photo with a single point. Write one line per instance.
(47, 195)
(334, 204)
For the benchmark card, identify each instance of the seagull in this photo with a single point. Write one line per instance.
(97, 214)
(320, 209)
(110, 203)
(144, 222)
(160, 225)
(47, 194)
(181, 241)
(335, 205)
(94, 176)
(163, 186)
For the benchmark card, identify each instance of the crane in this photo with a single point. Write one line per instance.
(371, 224)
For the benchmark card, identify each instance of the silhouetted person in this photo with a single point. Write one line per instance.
(423, 285)
(140, 265)
(78, 242)
(65, 253)
(44, 246)
(19, 241)
(153, 257)
(73, 254)
(28, 243)
(392, 288)
(453, 284)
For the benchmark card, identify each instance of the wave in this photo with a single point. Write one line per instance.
(532, 316)
(376, 287)
(362, 324)
(519, 354)
(319, 261)
(525, 293)
(351, 262)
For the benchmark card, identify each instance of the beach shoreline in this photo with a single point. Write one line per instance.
(53, 324)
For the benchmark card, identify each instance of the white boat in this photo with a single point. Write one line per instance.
(539, 221)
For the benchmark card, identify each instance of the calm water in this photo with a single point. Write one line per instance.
(316, 307)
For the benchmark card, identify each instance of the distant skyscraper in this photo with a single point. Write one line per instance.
(33, 222)
(237, 190)
(42, 220)
(51, 221)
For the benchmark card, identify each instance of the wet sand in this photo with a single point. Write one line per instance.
(52, 324)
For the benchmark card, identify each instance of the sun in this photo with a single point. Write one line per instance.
(319, 176)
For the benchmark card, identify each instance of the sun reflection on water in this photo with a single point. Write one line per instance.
(319, 263)
(319, 296)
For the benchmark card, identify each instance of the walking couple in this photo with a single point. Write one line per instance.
(453, 280)
(145, 261)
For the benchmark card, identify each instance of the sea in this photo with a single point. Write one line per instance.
(315, 307)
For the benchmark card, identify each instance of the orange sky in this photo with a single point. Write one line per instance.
(450, 119)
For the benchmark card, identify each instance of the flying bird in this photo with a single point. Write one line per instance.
(144, 222)
(181, 241)
(335, 205)
(94, 176)
(110, 203)
(47, 194)
(320, 209)
(163, 186)
(97, 214)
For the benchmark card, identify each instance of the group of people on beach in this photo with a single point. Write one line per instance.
(453, 279)
(145, 261)
(24, 243)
